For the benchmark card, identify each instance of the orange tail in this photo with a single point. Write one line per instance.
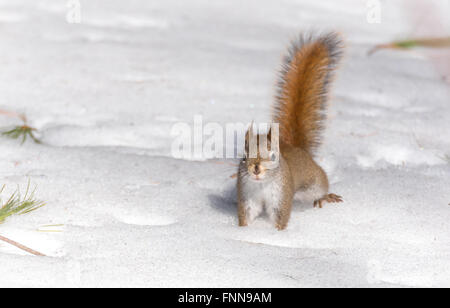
(303, 89)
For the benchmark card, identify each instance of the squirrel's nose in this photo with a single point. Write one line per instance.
(257, 170)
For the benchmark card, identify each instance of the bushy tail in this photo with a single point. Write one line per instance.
(303, 89)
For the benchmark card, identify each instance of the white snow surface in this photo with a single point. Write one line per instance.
(104, 95)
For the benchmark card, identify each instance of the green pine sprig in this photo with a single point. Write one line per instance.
(439, 42)
(18, 204)
(22, 132)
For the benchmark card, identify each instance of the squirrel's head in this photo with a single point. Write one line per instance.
(261, 157)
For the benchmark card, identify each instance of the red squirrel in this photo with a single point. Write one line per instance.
(268, 181)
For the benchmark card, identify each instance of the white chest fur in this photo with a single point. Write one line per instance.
(262, 195)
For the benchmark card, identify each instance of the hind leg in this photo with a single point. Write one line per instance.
(330, 198)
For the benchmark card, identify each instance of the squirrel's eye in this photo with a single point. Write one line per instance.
(273, 156)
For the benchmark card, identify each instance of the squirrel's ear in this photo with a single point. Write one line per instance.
(248, 136)
(269, 139)
(249, 133)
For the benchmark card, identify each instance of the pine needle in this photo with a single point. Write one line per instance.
(18, 204)
(13, 114)
(20, 246)
(441, 42)
(22, 132)
(46, 228)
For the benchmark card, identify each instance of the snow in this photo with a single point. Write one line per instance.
(105, 94)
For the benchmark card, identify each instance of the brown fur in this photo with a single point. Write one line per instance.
(305, 172)
(303, 90)
(301, 103)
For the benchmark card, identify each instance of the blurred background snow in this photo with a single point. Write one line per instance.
(105, 93)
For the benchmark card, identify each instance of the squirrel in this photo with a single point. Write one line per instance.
(268, 181)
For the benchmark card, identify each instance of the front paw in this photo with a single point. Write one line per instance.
(243, 223)
(280, 227)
